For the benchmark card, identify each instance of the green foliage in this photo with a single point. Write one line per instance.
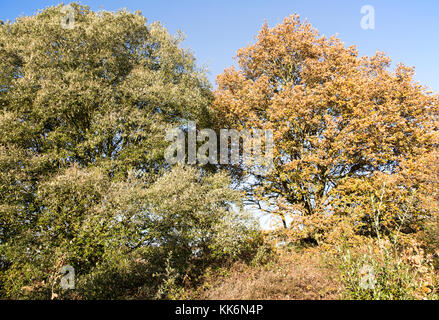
(263, 255)
(383, 273)
(83, 179)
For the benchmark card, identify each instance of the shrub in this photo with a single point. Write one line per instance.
(386, 272)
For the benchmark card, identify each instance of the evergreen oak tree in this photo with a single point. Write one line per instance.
(83, 180)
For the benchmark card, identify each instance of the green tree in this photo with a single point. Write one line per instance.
(83, 113)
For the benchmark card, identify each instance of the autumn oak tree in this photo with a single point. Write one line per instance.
(341, 122)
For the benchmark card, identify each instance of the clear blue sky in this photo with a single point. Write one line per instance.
(406, 30)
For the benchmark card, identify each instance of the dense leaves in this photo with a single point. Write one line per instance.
(343, 123)
(83, 116)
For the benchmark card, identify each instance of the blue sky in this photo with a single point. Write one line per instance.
(215, 30)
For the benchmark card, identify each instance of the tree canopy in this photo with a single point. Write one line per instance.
(339, 119)
(84, 182)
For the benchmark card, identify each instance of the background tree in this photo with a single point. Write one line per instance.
(340, 121)
(83, 114)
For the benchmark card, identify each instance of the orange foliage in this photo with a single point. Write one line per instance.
(349, 133)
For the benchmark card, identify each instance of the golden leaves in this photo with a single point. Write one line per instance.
(339, 119)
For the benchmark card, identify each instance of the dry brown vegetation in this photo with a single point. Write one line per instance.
(294, 271)
(292, 274)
